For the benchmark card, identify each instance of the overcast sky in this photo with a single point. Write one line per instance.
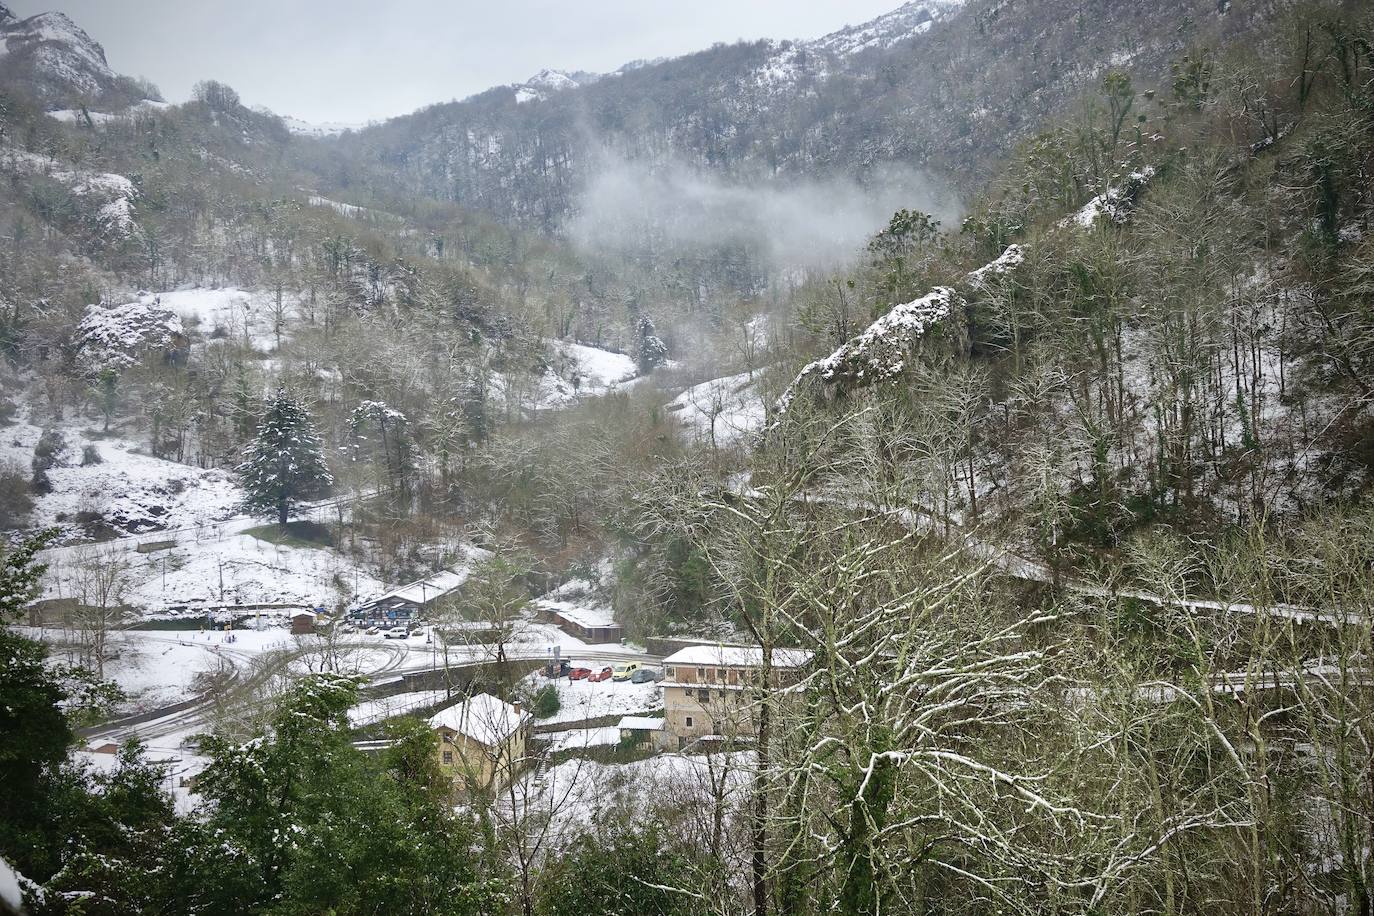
(356, 60)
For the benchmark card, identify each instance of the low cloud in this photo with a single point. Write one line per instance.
(628, 206)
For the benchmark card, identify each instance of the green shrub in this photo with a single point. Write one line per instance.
(546, 702)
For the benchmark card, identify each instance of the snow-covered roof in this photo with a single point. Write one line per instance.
(642, 724)
(737, 657)
(483, 718)
(583, 614)
(427, 589)
(441, 583)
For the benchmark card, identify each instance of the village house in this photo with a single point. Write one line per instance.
(710, 691)
(481, 742)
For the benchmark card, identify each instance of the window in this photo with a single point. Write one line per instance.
(701, 674)
(689, 721)
(448, 758)
(703, 695)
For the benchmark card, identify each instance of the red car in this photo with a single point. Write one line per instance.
(603, 675)
(578, 674)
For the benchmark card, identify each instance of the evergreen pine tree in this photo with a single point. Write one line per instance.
(651, 352)
(285, 460)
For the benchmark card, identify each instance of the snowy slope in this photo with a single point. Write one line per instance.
(599, 370)
(100, 118)
(244, 315)
(723, 410)
(907, 21)
(107, 199)
(316, 129)
(789, 60)
(573, 371)
(548, 82)
(128, 492)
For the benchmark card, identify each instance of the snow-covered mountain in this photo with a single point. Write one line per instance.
(939, 87)
(885, 31)
(59, 63)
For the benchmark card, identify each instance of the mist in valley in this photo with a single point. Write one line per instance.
(631, 206)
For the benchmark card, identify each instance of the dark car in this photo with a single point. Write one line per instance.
(645, 676)
(578, 674)
(562, 669)
(603, 675)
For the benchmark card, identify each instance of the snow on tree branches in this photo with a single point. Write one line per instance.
(285, 461)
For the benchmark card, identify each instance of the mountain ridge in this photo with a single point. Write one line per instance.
(61, 65)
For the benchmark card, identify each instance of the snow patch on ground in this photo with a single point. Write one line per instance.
(111, 196)
(575, 738)
(245, 315)
(371, 711)
(129, 492)
(577, 793)
(723, 410)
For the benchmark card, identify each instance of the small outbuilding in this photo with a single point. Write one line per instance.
(302, 622)
(647, 732)
(592, 623)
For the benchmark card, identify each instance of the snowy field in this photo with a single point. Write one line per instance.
(211, 569)
(153, 669)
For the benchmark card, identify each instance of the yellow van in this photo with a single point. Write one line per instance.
(623, 672)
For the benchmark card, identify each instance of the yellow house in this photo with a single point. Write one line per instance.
(709, 691)
(481, 741)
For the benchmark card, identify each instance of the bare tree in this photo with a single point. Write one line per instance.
(99, 580)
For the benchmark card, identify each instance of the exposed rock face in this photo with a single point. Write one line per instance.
(52, 59)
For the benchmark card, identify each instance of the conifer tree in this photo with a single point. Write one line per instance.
(650, 352)
(285, 460)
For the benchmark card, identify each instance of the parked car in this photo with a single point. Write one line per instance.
(625, 672)
(645, 676)
(579, 674)
(396, 633)
(372, 631)
(603, 675)
(562, 669)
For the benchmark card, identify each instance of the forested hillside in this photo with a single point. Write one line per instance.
(943, 86)
(995, 378)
